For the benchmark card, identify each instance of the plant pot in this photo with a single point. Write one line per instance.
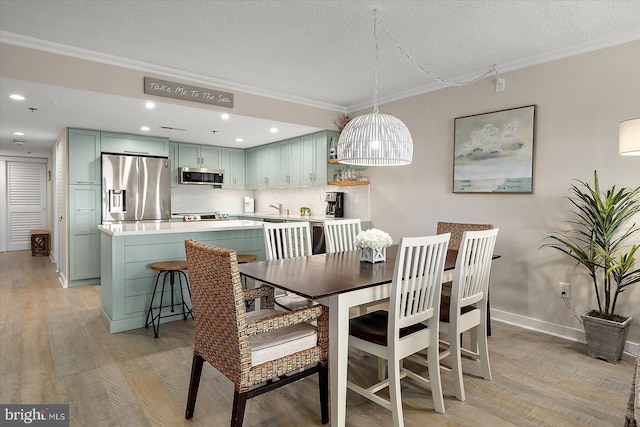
(605, 338)
(373, 255)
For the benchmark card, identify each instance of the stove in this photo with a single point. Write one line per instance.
(215, 216)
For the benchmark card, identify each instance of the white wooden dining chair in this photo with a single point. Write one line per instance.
(340, 234)
(468, 305)
(288, 240)
(410, 325)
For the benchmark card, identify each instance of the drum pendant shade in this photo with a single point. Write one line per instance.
(375, 140)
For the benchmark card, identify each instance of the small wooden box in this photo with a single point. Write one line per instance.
(39, 242)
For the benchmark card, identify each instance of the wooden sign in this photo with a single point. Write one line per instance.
(189, 93)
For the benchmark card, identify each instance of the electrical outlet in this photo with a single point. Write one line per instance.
(564, 289)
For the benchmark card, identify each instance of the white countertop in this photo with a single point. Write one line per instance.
(140, 228)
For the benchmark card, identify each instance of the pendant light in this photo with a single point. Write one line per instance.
(375, 139)
(630, 137)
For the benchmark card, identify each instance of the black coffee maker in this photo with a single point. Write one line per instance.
(335, 205)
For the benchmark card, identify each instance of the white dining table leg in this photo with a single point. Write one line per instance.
(338, 357)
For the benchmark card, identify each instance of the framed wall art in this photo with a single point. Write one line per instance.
(493, 152)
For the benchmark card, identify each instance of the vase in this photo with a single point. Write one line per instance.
(373, 255)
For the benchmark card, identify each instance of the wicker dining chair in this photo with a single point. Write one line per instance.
(258, 351)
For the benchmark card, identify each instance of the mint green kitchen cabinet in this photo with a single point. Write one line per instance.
(262, 166)
(135, 145)
(84, 237)
(173, 158)
(252, 168)
(296, 162)
(314, 159)
(264, 163)
(288, 174)
(232, 162)
(127, 282)
(272, 165)
(239, 168)
(84, 166)
(198, 156)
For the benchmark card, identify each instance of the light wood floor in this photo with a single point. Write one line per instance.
(54, 348)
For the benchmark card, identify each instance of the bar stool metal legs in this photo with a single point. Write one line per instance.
(169, 269)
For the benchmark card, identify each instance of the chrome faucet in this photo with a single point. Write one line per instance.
(279, 207)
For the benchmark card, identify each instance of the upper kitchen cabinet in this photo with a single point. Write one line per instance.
(315, 154)
(84, 156)
(253, 162)
(198, 156)
(289, 170)
(262, 166)
(138, 145)
(232, 162)
(297, 162)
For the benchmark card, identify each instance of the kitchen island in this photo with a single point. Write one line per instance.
(127, 250)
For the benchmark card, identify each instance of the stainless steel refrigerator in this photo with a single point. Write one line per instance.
(135, 188)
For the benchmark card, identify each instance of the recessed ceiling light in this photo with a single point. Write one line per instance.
(17, 97)
(239, 139)
(19, 133)
(225, 116)
(273, 130)
(150, 105)
(145, 128)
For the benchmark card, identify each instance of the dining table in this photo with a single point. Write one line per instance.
(339, 281)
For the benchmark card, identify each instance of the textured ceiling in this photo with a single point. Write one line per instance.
(320, 52)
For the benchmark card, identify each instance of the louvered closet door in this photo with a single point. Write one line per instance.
(26, 201)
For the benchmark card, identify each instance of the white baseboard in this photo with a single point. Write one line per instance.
(571, 334)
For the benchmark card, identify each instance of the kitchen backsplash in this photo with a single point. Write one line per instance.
(203, 198)
(356, 200)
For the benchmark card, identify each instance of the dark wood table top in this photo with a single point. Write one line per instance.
(321, 275)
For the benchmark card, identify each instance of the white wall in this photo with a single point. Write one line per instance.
(580, 101)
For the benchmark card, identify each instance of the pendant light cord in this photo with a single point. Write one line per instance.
(375, 62)
(413, 61)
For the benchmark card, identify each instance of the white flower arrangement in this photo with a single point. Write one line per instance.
(373, 239)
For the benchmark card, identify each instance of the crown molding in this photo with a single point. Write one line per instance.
(89, 55)
(65, 50)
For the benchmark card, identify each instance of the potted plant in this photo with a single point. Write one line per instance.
(598, 241)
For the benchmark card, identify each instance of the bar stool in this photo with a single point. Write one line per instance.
(171, 269)
(243, 259)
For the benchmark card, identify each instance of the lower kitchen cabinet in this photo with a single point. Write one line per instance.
(84, 237)
(128, 282)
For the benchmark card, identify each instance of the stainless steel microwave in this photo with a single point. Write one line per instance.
(201, 176)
